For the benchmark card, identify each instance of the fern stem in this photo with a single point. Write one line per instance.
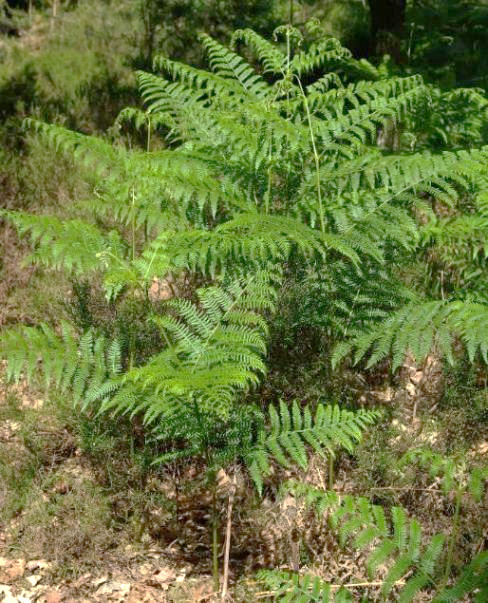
(133, 225)
(148, 142)
(215, 540)
(148, 148)
(268, 190)
(454, 535)
(316, 158)
(132, 347)
(290, 13)
(228, 534)
(330, 475)
(288, 57)
(213, 485)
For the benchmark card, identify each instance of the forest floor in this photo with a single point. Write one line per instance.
(141, 573)
(81, 520)
(58, 541)
(63, 543)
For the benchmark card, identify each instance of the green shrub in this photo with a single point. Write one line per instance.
(260, 174)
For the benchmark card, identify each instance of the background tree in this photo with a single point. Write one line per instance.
(387, 26)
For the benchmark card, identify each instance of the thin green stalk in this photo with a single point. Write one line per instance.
(213, 485)
(133, 234)
(148, 148)
(454, 535)
(133, 221)
(148, 142)
(316, 159)
(132, 347)
(288, 51)
(288, 58)
(268, 190)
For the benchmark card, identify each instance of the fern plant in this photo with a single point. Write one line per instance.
(243, 143)
(394, 549)
(295, 588)
(188, 393)
(455, 478)
(252, 168)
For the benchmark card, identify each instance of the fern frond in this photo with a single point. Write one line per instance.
(249, 238)
(78, 364)
(290, 587)
(268, 54)
(133, 114)
(420, 326)
(216, 351)
(397, 543)
(294, 588)
(178, 107)
(230, 65)
(90, 151)
(472, 581)
(198, 79)
(453, 472)
(323, 53)
(293, 430)
(72, 245)
(361, 123)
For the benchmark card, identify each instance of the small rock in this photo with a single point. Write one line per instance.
(100, 581)
(411, 389)
(145, 569)
(417, 377)
(8, 429)
(119, 589)
(37, 564)
(163, 578)
(61, 487)
(81, 580)
(481, 448)
(33, 580)
(7, 594)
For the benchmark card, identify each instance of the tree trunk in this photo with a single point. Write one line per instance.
(387, 26)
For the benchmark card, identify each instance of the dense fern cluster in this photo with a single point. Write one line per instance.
(297, 166)
(261, 165)
(395, 550)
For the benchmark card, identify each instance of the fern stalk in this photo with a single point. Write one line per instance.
(228, 535)
(215, 541)
(315, 156)
(290, 13)
(454, 535)
(148, 140)
(331, 472)
(133, 225)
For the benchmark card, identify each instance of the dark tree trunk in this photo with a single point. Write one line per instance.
(387, 26)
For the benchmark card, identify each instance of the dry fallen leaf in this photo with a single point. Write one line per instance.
(11, 569)
(163, 578)
(53, 597)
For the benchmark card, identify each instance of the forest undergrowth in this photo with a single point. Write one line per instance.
(242, 323)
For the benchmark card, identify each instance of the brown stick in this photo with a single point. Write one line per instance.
(228, 532)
